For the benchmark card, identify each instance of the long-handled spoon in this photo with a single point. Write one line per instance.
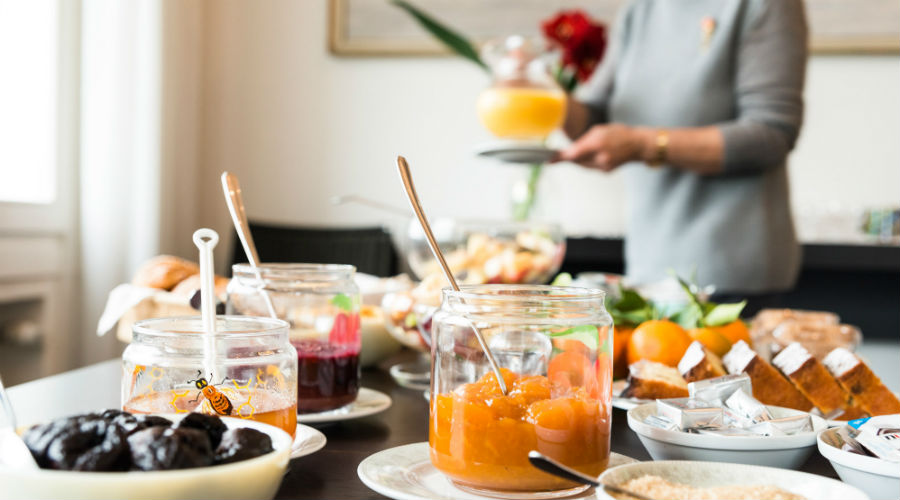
(232, 189)
(206, 240)
(551, 466)
(13, 452)
(406, 177)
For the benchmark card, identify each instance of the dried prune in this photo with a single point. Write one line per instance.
(84, 442)
(242, 443)
(212, 425)
(166, 448)
(134, 423)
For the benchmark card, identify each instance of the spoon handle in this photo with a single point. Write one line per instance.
(551, 466)
(406, 177)
(235, 202)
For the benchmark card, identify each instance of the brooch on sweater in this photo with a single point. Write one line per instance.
(707, 28)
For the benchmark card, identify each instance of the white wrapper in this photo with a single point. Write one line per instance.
(718, 389)
(748, 406)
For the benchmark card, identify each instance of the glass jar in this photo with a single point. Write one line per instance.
(524, 102)
(553, 345)
(252, 375)
(321, 304)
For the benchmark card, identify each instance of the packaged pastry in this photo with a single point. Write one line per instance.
(689, 413)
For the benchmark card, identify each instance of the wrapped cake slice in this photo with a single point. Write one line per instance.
(769, 386)
(858, 379)
(699, 363)
(651, 380)
(812, 379)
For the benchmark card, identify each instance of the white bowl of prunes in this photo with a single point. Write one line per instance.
(115, 454)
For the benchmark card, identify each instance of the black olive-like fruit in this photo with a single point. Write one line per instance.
(134, 423)
(166, 448)
(242, 443)
(212, 425)
(84, 442)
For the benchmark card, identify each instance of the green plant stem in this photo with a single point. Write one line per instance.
(522, 209)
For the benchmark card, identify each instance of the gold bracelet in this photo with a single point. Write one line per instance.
(662, 149)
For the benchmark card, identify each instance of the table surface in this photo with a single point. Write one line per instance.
(331, 472)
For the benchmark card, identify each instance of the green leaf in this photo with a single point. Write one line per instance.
(453, 40)
(343, 302)
(630, 300)
(411, 320)
(723, 314)
(589, 335)
(689, 317)
(562, 279)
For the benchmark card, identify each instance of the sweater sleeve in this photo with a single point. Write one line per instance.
(769, 76)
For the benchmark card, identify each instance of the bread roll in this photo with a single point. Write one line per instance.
(188, 286)
(164, 272)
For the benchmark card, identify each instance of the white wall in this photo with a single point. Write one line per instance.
(299, 126)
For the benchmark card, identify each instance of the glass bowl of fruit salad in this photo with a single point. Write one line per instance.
(553, 346)
(484, 251)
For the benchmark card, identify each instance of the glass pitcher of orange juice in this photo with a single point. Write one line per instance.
(524, 102)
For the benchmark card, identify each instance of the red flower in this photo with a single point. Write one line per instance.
(582, 41)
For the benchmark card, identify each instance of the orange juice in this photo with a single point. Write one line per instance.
(521, 112)
(262, 406)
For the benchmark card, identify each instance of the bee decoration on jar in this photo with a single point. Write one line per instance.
(219, 402)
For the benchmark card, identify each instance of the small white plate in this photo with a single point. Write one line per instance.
(517, 152)
(307, 441)
(406, 473)
(368, 402)
(710, 474)
(625, 403)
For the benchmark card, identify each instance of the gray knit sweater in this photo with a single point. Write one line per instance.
(745, 76)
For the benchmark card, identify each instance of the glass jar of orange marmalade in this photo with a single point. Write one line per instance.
(553, 345)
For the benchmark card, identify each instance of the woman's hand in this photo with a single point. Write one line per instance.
(605, 147)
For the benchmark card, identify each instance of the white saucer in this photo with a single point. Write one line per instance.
(406, 473)
(517, 152)
(306, 441)
(625, 403)
(368, 402)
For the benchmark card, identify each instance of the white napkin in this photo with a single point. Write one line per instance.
(121, 299)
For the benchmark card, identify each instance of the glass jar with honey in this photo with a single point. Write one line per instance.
(247, 370)
(553, 345)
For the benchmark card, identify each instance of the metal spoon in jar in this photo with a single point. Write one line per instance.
(551, 466)
(235, 202)
(13, 452)
(406, 177)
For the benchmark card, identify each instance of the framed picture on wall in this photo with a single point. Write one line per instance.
(377, 28)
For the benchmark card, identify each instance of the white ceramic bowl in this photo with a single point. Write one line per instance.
(258, 477)
(880, 479)
(789, 452)
(377, 342)
(707, 474)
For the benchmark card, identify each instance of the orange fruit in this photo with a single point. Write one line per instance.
(662, 341)
(712, 339)
(734, 331)
(621, 334)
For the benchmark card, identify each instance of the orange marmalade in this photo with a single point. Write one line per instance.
(481, 438)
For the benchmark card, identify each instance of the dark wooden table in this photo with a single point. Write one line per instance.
(331, 472)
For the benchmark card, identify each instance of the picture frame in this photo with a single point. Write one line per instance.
(379, 29)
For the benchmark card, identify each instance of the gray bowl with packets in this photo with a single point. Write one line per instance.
(784, 451)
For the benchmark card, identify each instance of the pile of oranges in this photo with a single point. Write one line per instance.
(665, 341)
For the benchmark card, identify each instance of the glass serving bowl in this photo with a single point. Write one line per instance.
(484, 251)
(553, 345)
